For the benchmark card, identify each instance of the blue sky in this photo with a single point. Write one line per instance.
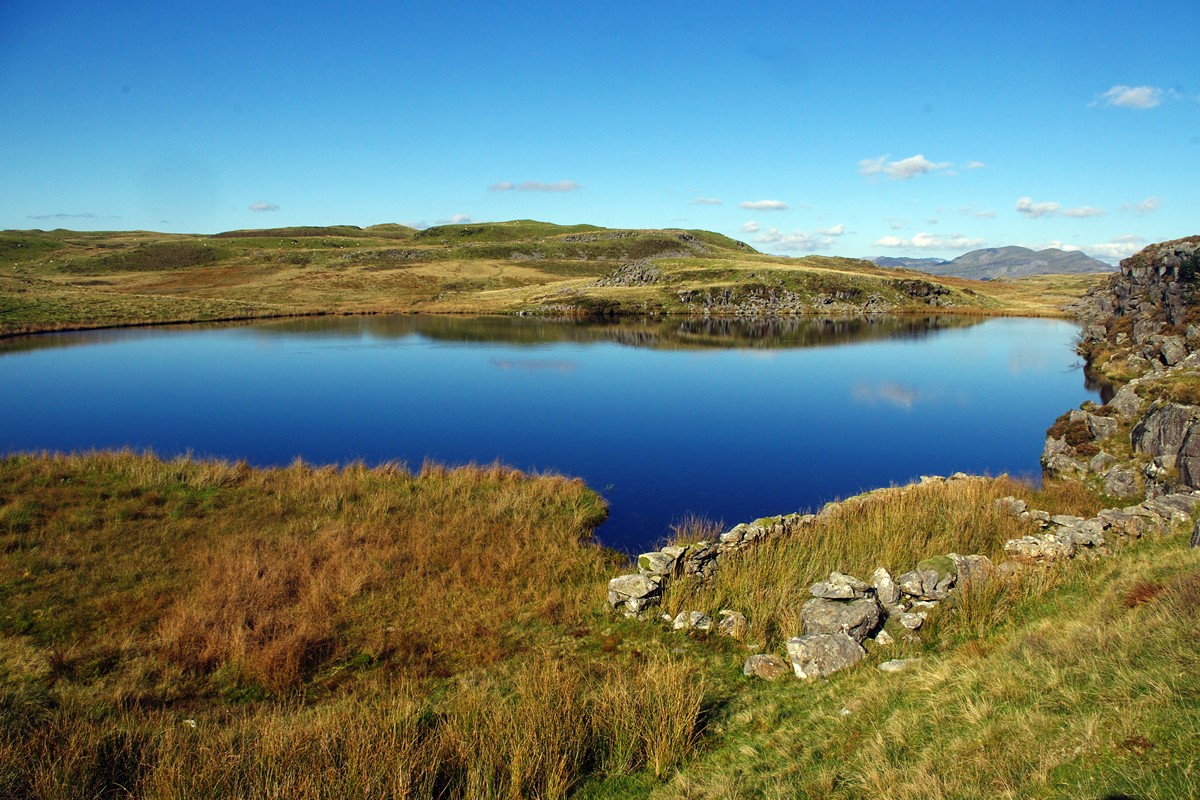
(849, 128)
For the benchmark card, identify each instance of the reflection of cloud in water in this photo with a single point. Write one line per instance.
(890, 392)
(534, 365)
(1028, 359)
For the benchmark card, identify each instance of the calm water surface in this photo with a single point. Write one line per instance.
(725, 420)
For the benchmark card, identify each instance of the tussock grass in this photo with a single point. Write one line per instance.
(188, 628)
(893, 528)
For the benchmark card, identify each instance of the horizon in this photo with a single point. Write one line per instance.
(1016, 126)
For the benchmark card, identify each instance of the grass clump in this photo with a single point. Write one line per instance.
(894, 528)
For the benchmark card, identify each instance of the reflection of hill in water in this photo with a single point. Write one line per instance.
(664, 334)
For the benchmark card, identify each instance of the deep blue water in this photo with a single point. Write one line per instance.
(728, 421)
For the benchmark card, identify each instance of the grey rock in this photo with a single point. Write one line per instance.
(692, 621)
(1173, 350)
(633, 593)
(1011, 505)
(1063, 464)
(883, 638)
(1195, 540)
(1089, 533)
(1162, 430)
(1188, 459)
(767, 667)
(1101, 461)
(898, 664)
(1126, 402)
(1101, 427)
(820, 655)
(840, 587)
(931, 580)
(1121, 482)
(657, 563)
(972, 568)
(1065, 520)
(885, 587)
(913, 620)
(856, 618)
(1046, 547)
(734, 624)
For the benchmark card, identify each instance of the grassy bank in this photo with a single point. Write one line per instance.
(202, 629)
(57, 280)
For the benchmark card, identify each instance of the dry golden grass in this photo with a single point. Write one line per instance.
(893, 528)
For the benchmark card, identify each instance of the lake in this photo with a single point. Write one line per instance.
(723, 419)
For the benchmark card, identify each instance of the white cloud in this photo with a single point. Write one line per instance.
(1026, 206)
(764, 205)
(1084, 211)
(750, 227)
(976, 165)
(903, 169)
(1123, 96)
(930, 241)
(801, 241)
(1113, 250)
(534, 186)
(457, 219)
(1147, 206)
(262, 205)
(706, 201)
(981, 213)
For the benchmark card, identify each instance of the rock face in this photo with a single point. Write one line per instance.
(820, 655)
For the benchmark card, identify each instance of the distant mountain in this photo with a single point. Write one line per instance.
(923, 264)
(1002, 262)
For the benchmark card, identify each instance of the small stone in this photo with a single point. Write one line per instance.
(765, 666)
(733, 624)
(913, 621)
(898, 664)
(884, 639)
(692, 620)
(657, 563)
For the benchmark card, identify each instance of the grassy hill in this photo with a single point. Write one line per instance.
(66, 279)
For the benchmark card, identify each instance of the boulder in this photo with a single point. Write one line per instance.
(634, 593)
(1173, 350)
(913, 620)
(972, 568)
(840, 587)
(856, 618)
(657, 563)
(1121, 482)
(1101, 461)
(768, 667)
(1088, 533)
(1126, 402)
(886, 589)
(820, 655)
(1188, 460)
